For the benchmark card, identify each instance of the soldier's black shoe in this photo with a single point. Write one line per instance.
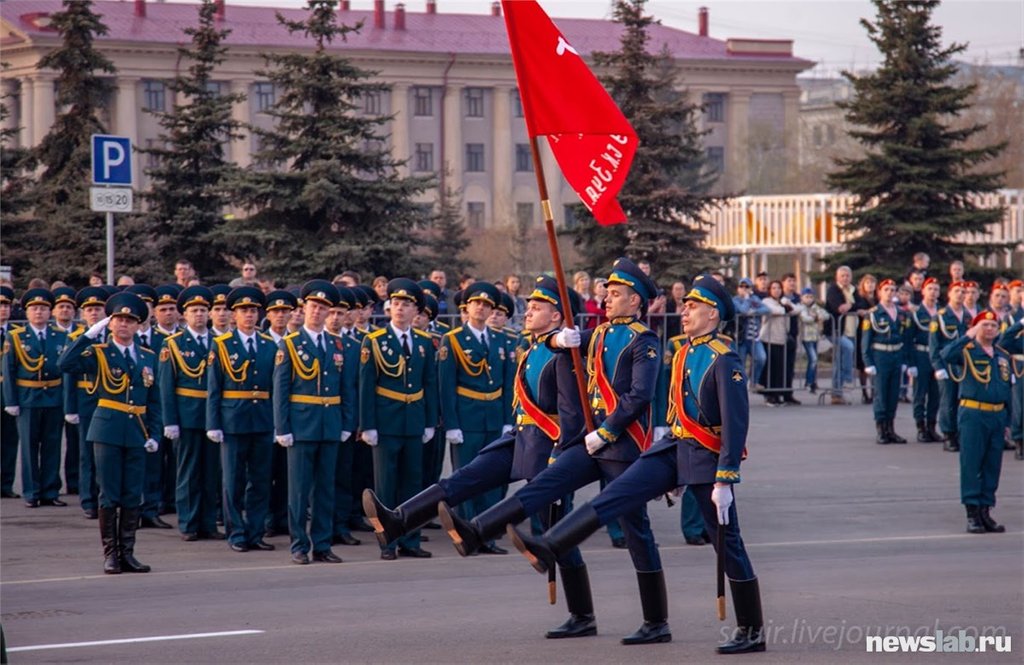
(90, 513)
(52, 502)
(346, 539)
(654, 603)
(749, 633)
(326, 556)
(893, 436)
(936, 437)
(469, 537)
(108, 536)
(390, 525)
(883, 434)
(153, 523)
(974, 524)
(565, 534)
(9, 494)
(388, 555)
(923, 435)
(581, 622)
(619, 542)
(491, 548)
(261, 546)
(464, 537)
(300, 558)
(1019, 454)
(952, 443)
(414, 553)
(986, 520)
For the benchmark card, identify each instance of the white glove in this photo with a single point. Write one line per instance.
(13, 410)
(215, 435)
(428, 435)
(871, 371)
(506, 429)
(594, 442)
(345, 436)
(454, 436)
(722, 498)
(912, 372)
(151, 446)
(903, 369)
(661, 433)
(568, 338)
(172, 431)
(285, 440)
(97, 329)
(72, 418)
(941, 375)
(370, 437)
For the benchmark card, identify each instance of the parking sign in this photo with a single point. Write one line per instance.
(111, 160)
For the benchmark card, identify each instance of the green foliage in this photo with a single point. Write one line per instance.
(324, 193)
(913, 184)
(669, 179)
(446, 241)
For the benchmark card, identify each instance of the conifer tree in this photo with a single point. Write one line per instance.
(446, 241)
(16, 165)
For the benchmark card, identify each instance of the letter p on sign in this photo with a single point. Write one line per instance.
(111, 160)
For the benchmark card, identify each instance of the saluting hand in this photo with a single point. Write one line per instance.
(97, 328)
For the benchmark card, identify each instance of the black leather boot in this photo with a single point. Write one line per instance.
(893, 436)
(127, 525)
(581, 622)
(654, 603)
(108, 536)
(990, 525)
(468, 537)
(568, 532)
(1019, 454)
(922, 433)
(749, 633)
(933, 433)
(883, 435)
(952, 443)
(390, 525)
(974, 524)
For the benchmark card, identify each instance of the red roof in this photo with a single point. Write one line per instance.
(424, 33)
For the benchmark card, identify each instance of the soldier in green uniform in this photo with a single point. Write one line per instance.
(8, 423)
(123, 428)
(433, 450)
(33, 393)
(1012, 340)
(240, 417)
(398, 405)
(982, 370)
(926, 387)
(949, 325)
(436, 325)
(166, 315)
(280, 305)
(885, 347)
(476, 371)
(64, 307)
(220, 315)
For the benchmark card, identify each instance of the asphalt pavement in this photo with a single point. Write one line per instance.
(849, 539)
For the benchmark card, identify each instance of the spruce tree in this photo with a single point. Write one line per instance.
(16, 165)
(668, 183)
(324, 192)
(68, 239)
(913, 185)
(188, 196)
(446, 242)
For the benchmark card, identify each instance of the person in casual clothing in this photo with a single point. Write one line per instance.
(773, 333)
(811, 317)
(866, 299)
(749, 311)
(839, 303)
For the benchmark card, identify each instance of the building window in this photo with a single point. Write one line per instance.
(264, 96)
(716, 159)
(714, 107)
(152, 160)
(474, 102)
(524, 159)
(215, 88)
(475, 214)
(423, 101)
(517, 104)
(154, 96)
(424, 156)
(474, 157)
(569, 212)
(830, 134)
(373, 103)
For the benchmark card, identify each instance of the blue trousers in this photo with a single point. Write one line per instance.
(8, 450)
(245, 460)
(653, 475)
(198, 470)
(1017, 410)
(811, 375)
(88, 490)
(691, 521)
(119, 471)
(575, 468)
(842, 362)
(277, 515)
(981, 455)
(71, 457)
(398, 476)
(39, 433)
(926, 389)
(462, 455)
(311, 475)
(152, 486)
(887, 385)
(949, 403)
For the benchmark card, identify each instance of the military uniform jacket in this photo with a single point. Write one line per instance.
(708, 412)
(547, 407)
(397, 396)
(1012, 340)
(79, 389)
(945, 329)
(475, 382)
(664, 378)
(982, 378)
(314, 394)
(884, 335)
(623, 357)
(239, 386)
(128, 400)
(182, 377)
(921, 327)
(32, 375)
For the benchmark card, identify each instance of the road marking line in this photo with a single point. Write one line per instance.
(133, 640)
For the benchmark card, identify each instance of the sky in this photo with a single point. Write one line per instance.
(827, 32)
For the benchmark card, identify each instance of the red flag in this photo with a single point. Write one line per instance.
(592, 141)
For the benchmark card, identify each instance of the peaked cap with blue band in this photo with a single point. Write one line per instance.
(708, 290)
(629, 274)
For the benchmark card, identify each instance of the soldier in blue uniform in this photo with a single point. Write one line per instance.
(433, 450)
(33, 393)
(165, 312)
(314, 398)
(1012, 340)
(240, 417)
(124, 425)
(80, 397)
(475, 372)
(623, 358)
(280, 305)
(926, 388)
(981, 368)
(398, 406)
(220, 315)
(709, 415)
(8, 423)
(886, 345)
(547, 412)
(64, 306)
(182, 377)
(949, 325)
(436, 325)
(362, 456)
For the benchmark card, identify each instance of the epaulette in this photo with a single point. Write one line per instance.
(145, 350)
(638, 327)
(101, 345)
(454, 331)
(421, 333)
(174, 336)
(377, 333)
(290, 335)
(969, 345)
(332, 334)
(719, 346)
(76, 334)
(222, 338)
(942, 310)
(725, 338)
(16, 329)
(265, 336)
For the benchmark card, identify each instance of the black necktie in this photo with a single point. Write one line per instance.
(144, 340)
(483, 340)
(405, 345)
(202, 342)
(42, 341)
(128, 359)
(252, 348)
(320, 344)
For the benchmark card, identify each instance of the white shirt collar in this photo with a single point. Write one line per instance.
(245, 338)
(312, 333)
(122, 348)
(398, 331)
(38, 330)
(277, 338)
(196, 335)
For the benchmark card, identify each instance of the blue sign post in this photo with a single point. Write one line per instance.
(111, 167)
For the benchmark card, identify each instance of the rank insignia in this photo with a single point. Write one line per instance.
(338, 360)
(147, 377)
(117, 372)
(652, 353)
(165, 354)
(442, 353)
(364, 355)
(279, 358)
(737, 376)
